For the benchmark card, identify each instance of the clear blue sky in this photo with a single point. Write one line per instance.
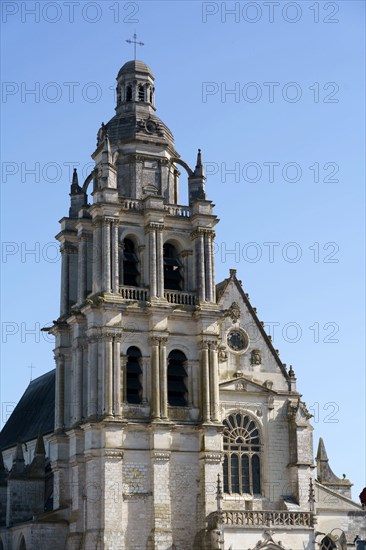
(297, 153)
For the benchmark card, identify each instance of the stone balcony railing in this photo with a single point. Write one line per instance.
(180, 298)
(176, 210)
(261, 518)
(133, 293)
(170, 209)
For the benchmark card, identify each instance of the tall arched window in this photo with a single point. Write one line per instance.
(328, 544)
(177, 375)
(129, 93)
(130, 264)
(133, 376)
(173, 279)
(22, 545)
(242, 448)
(141, 93)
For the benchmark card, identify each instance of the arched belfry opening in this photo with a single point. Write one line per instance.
(177, 379)
(173, 268)
(130, 274)
(133, 376)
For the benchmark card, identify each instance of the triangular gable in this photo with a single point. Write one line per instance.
(221, 290)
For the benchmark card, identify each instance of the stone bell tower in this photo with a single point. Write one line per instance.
(137, 391)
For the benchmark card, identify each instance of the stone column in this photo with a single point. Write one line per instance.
(108, 376)
(123, 362)
(92, 377)
(141, 251)
(208, 264)
(115, 257)
(120, 267)
(153, 281)
(82, 269)
(212, 256)
(205, 382)
(97, 256)
(107, 256)
(200, 263)
(214, 383)
(160, 263)
(78, 376)
(117, 376)
(163, 379)
(60, 391)
(155, 378)
(64, 304)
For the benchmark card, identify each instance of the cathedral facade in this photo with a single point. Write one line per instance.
(170, 421)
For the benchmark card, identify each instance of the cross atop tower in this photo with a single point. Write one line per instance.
(135, 43)
(31, 367)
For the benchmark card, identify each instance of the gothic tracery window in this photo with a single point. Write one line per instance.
(133, 376)
(177, 374)
(328, 544)
(242, 461)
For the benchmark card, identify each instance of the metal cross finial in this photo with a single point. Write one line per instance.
(31, 367)
(135, 43)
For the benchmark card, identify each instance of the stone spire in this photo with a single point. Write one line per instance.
(196, 181)
(38, 465)
(3, 472)
(18, 468)
(326, 475)
(77, 196)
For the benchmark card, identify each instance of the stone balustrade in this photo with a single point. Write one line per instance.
(133, 293)
(180, 298)
(261, 518)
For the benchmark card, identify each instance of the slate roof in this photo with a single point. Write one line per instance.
(34, 414)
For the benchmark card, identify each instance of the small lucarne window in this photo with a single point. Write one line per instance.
(130, 264)
(129, 93)
(242, 448)
(328, 544)
(177, 374)
(141, 93)
(173, 279)
(133, 376)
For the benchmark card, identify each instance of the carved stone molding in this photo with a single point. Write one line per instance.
(161, 456)
(152, 226)
(202, 231)
(255, 357)
(113, 454)
(213, 457)
(233, 312)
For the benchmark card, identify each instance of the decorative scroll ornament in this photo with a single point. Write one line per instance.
(233, 312)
